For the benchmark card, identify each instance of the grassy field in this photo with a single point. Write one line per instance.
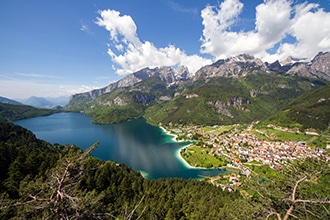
(199, 157)
(278, 135)
(217, 130)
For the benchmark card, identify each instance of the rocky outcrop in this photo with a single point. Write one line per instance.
(223, 107)
(318, 67)
(155, 81)
(167, 75)
(189, 96)
(232, 67)
(143, 99)
(254, 92)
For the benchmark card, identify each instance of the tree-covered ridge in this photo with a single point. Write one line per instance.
(11, 112)
(310, 110)
(221, 100)
(61, 182)
(217, 96)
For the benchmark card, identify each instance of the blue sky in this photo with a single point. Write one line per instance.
(55, 48)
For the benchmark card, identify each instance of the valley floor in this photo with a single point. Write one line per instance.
(239, 147)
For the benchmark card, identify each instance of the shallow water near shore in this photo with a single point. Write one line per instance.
(139, 145)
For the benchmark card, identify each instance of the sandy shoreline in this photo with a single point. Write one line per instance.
(179, 157)
(178, 152)
(174, 136)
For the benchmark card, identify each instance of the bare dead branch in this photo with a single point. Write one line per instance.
(293, 197)
(132, 212)
(274, 213)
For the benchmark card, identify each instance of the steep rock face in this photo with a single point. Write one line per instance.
(321, 66)
(165, 74)
(143, 99)
(277, 67)
(232, 67)
(318, 67)
(149, 86)
(223, 107)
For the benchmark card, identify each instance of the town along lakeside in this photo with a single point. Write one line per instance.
(135, 143)
(245, 149)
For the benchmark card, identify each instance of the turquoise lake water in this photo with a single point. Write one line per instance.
(141, 146)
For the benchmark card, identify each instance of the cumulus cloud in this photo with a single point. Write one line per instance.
(275, 20)
(130, 54)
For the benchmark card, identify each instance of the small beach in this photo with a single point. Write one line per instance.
(180, 158)
(178, 154)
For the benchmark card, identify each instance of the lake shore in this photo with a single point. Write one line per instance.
(180, 158)
(174, 136)
(178, 152)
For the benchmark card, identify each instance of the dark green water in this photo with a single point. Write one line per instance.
(139, 145)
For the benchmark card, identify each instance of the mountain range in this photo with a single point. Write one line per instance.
(5, 100)
(239, 89)
(38, 102)
(48, 102)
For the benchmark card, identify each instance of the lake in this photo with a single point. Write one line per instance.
(139, 145)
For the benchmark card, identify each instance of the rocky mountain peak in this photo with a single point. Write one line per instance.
(318, 67)
(241, 58)
(321, 63)
(237, 66)
(165, 74)
(292, 60)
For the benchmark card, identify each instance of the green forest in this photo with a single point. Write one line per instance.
(10, 112)
(39, 180)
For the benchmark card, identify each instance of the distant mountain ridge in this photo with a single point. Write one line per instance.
(241, 65)
(164, 74)
(12, 112)
(235, 90)
(9, 101)
(46, 102)
(318, 67)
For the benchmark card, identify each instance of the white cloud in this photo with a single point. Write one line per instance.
(84, 27)
(179, 8)
(75, 89)
(274, 21)
(36, 75)
(130, 54)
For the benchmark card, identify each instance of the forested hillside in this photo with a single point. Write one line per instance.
(39, 180)
(221, 100)
(240, 89)
(11, 112)
(311, 110)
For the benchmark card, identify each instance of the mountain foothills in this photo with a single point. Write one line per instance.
(12, 112)
(39, 180)
(49, 102)
(9, 101)
(311, 110)
(240, 89)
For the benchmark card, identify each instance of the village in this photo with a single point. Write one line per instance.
(242, 147)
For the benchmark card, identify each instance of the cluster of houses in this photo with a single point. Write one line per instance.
(248, 147)
(227, 182)
(243, 146)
